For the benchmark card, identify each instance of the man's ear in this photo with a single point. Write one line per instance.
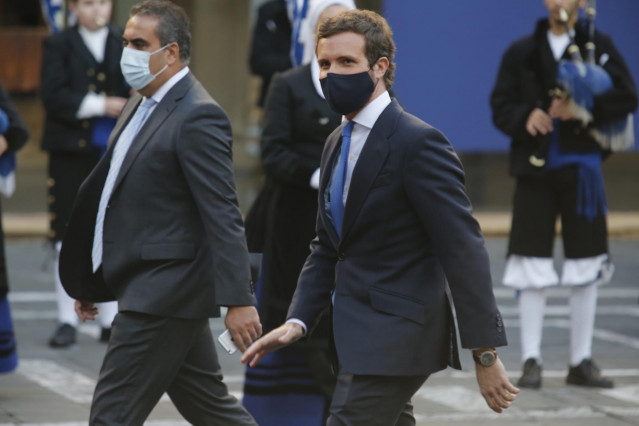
(381, 66)
(173, 53)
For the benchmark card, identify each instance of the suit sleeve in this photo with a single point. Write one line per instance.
(60, 100)
(621, 100)
(510, 112)
(17, 134)
(206, 159)
(434, 182)
(317, 279)
(316, 282)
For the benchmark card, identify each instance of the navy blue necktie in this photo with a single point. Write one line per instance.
(337, 187)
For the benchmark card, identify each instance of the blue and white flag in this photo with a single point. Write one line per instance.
(297, 10)
(7, 162)
(53, 12)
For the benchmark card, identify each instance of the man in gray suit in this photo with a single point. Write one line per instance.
(156, 226)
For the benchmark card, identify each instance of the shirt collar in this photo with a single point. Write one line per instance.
(164, 89)
(371, 112)
(97, 34)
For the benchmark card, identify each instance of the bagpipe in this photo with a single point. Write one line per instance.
(581, 81)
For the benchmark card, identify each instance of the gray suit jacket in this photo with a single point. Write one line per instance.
(173, 236)
(407, 231)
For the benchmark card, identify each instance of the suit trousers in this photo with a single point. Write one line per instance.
(373, 400)
(148, 355)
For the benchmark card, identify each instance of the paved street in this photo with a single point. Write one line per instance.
(54, 387)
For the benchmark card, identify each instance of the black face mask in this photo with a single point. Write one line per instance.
(346, 93)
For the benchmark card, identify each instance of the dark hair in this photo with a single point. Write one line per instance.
(173, 24)
(374, 28)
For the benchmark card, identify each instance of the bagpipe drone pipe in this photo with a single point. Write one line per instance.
(583, 80)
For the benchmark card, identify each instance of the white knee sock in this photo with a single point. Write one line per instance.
(66, 304)
(583, 306)
(66, 309)
(531, 313)
(107, 311)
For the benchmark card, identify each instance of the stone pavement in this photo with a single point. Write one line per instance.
(54, 387)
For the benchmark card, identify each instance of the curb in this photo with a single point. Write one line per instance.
(493, 224)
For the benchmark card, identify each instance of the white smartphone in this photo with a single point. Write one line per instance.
(227, 343)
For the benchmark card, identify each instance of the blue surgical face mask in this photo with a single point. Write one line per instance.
(346, 93)
(135, 67)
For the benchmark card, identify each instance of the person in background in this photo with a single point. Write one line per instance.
(296, 122)
(394, 228)
(13, 136)
(83, 92)
(271, 44)
(569, 184)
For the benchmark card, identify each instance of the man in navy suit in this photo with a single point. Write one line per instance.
(394, 226)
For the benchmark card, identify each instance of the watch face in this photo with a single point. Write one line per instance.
(487, 358)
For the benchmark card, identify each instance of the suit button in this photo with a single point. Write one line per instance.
(90, 72)
(50, 182)
(82, 143)
(92, 88)
(85, 124)
(341, 257)
(101, 76)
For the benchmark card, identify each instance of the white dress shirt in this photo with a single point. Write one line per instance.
(364, 122)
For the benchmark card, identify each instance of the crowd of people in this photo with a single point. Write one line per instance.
(367, 239)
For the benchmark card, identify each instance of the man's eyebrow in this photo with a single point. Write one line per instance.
(137, 41)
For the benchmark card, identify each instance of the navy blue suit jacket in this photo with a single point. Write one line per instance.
(407, 231)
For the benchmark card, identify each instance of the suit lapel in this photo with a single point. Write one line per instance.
(79, 46)
(124, 118)
(369, 164)
(153, 122)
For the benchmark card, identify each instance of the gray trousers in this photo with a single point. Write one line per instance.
(371, 400)
(148, 355)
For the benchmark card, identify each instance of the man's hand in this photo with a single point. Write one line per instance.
(85, 310)
(563, 109)
(4, 145)
(243, 323)
(494, 386)
(567, 109)
(538, 122)
(282, 336)
(113, 106)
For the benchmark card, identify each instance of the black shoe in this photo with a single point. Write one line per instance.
(105, 335)
(587, 374)
(63, 337)
(531, 378)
